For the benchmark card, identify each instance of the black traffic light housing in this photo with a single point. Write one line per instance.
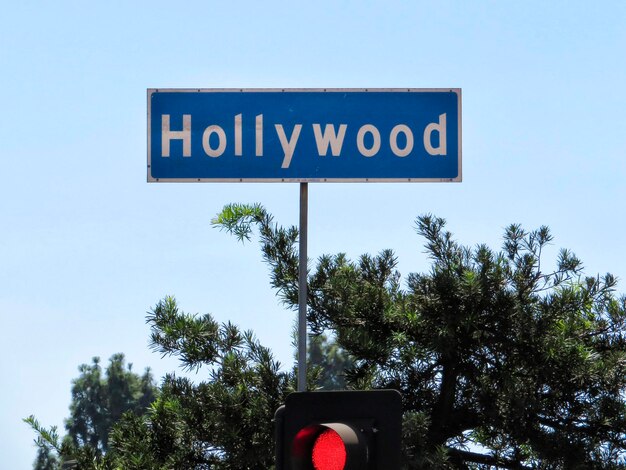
(346, 430)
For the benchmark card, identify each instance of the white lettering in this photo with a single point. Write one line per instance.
(441, 129)
(373, 150)
(259, 135)
(238, 137)
(329, 138)
(393, 140)
(206, 144)
(167, 135)
(289, 146)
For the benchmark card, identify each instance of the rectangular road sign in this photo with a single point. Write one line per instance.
(304, 135)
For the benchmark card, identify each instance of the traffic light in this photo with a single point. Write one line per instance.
(347, 430)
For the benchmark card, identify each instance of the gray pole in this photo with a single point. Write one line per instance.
(302, 282)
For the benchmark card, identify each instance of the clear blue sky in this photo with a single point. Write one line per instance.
(87, 246)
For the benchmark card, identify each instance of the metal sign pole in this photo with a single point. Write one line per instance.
(302, 282)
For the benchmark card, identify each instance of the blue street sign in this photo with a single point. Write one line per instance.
(306, 135)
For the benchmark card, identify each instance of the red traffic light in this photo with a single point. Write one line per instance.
(329, 451)
(339, 431)
(330, 446)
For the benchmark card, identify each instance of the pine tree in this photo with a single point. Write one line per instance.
(526, 365)
(98, 401)
(502, 361)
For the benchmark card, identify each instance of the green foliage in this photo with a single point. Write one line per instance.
(45, 460)
(502, 361)
(48, 445)
(489, 348)
(98, 401)
(329, 363)
(224, 422)
(278, 244)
